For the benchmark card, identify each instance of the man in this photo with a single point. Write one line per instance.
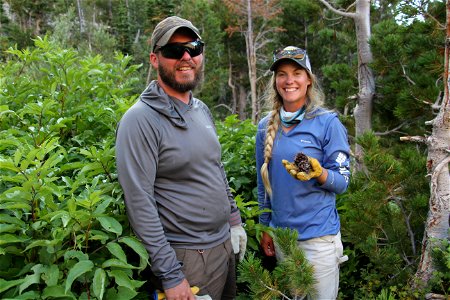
(169, 164)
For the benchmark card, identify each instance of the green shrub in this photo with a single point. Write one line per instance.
(64, 231)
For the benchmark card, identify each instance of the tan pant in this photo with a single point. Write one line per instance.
(325, 253)
(212, 270)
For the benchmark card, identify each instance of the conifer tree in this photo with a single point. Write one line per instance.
(291, 279)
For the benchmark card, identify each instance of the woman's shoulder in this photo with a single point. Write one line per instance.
(263, 122)
(323, 114)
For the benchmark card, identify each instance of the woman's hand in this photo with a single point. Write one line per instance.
(267, 244)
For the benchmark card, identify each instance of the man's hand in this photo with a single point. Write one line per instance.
(316, 169)
(239, 240)
(180, 292)
(267, 244)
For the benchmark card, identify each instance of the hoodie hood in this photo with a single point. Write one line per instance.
(155, 97)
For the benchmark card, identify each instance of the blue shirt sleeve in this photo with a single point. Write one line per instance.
(336, 158)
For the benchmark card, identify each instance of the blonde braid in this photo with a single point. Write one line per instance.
(272, 127)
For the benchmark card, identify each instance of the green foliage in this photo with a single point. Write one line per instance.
(341, 82)
(406, 76)
(383, 204)
(238, 155)
(59, 108)
(64, 230)
(292, 278)
(440, 281)
(66, 35)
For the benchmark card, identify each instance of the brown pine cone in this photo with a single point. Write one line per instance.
(302, 162)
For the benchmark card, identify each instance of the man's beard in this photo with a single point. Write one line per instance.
(168, 77)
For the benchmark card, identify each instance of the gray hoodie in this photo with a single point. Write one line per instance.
(169, 166)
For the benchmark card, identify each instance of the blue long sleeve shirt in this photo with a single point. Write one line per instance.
(305, 205)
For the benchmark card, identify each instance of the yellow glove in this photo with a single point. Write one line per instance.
(161, 295)
(316, 169)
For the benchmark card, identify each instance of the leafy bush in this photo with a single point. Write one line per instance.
(238, 154)
(64, 231)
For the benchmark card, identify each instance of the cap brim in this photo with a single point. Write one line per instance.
(275, 64)
(166, 37)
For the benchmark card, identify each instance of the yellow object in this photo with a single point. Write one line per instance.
(194, 290)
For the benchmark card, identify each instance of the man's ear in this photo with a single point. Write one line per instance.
(154, 60)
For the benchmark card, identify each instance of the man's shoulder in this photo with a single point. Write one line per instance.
(140, 111)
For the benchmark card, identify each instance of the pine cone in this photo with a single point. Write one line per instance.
(302, 162)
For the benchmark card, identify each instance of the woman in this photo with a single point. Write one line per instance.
(305, 201)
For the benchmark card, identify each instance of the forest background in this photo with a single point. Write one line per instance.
(70, 69)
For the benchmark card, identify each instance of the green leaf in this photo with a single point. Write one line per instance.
(122, 293)
(101, 208)
(42, 243)
(15, 205)
(6, 285)
(30, 295)
(137, 246)
(10, 238)
(117, 251)
(77, 254)
(122, 279)
(11, 220)
(99, 235)
(116, 263)
(8, 165)
(76, 271)
(11, 228)
(56, 292)
(63, 215)
(72, 206)
(29, 280)
(17, 157)
(98, 284)
(51, 275)
(110, 224)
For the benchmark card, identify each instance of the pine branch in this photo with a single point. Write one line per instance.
(292, 277)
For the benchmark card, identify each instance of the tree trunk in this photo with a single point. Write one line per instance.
(232, 87)
(81, 17)
(251, 59)
(366, 80)
(242, 102)
(437, 224)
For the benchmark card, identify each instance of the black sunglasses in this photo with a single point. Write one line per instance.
(176, 50)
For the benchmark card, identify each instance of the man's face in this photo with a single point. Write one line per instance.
(183, 74)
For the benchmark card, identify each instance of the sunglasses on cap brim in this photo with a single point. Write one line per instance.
(289, 53)
(176, 50)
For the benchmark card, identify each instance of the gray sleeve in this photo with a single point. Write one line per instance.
(137, 161)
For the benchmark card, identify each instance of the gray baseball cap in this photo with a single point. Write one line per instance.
(298, 55)
(167, 27)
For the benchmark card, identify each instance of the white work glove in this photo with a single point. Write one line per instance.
(204, 297)
(239, 240)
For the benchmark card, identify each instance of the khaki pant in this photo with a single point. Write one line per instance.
(212, 270)
(325, 253)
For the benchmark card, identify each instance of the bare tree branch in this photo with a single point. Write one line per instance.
(226, 106)
(392, 130)
(417, 139)
(406, 75)
(339, 12)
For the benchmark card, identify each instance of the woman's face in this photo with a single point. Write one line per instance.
(292, 83)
